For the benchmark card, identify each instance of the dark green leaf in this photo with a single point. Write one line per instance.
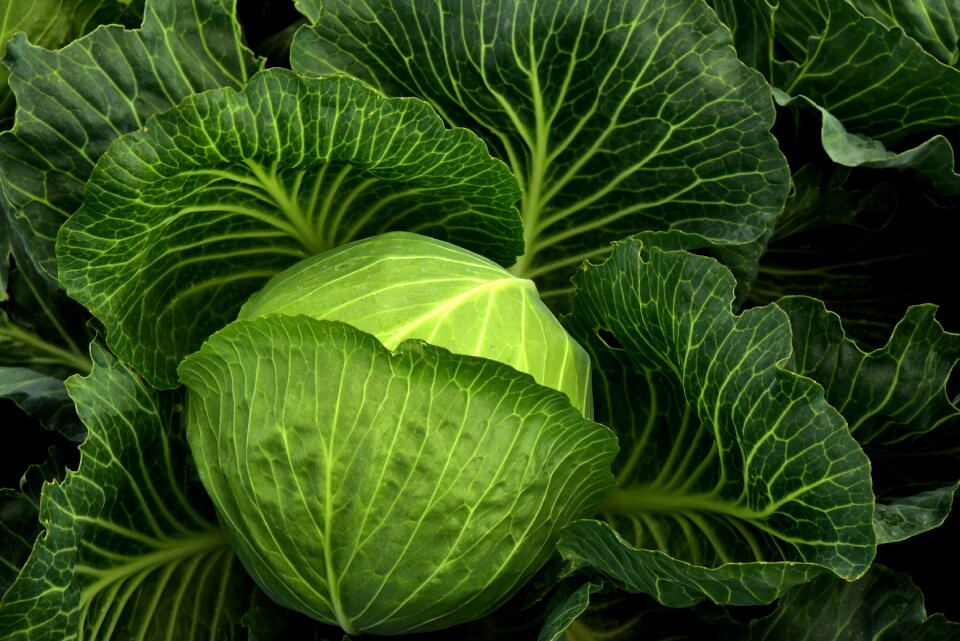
(888, 395)
(20, 516)
(618, 117)
(54, 23)
(875, 80)
(127, 551)
(935, 24)
(751, 22)
(43, 397)
(566, 604)
(901, 518)
(183, 221)
(40, 327)
(71, 103)
(736, 479)
(882, 606)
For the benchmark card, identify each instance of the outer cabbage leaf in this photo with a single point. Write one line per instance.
(736, 479)
(881, 606)
(40, 327)
(20, 515)
(935, 24)
(184, 220)
(71, 103)
(617, 117)
(43, 397)
(867, 249)
(53, 23)
(127, 550)
(874, 79)
(394, 491)
(895, 401)
(752, 24)
(932, 161)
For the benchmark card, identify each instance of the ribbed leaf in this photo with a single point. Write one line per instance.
(394, 491)
(874, 79)
(888, 395)
(54, 23)
(127, 552)
(882, 606)
(736, 479)
(183, 221)
(71, 103)
(895, 400)
(617, 116)
(935, 24)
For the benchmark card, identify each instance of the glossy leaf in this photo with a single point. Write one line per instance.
(128, 551)
(617, 117)
(73, 102)
(183, 221)
(54, 23)
(736, 479)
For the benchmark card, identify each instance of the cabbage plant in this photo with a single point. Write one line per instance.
(512, 319)
(416, 488)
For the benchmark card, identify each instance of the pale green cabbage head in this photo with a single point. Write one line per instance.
(389, 485)
(402, 285)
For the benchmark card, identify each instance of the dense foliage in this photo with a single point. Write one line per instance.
(298, 302)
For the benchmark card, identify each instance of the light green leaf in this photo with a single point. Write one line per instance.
(399, 286)
(736, 479)
(617, 117)
(882, 606)
(54, 23)
(182, 222)
(71, 103)
(128, 551)
(395, 491)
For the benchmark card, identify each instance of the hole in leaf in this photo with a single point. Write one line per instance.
(608, 338)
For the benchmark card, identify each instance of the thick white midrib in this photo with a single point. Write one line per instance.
(398, 334)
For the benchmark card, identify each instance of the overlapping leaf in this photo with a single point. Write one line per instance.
(874, 79)
(183, 221)
(617, 117)
(71, 103)
(873, 82)
(736, 479)
(127, 550)
(894, 399)
(54, 23)
(883, 605)
(935, 24)
(396, 491)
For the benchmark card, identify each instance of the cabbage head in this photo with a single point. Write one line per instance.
(393, 434)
